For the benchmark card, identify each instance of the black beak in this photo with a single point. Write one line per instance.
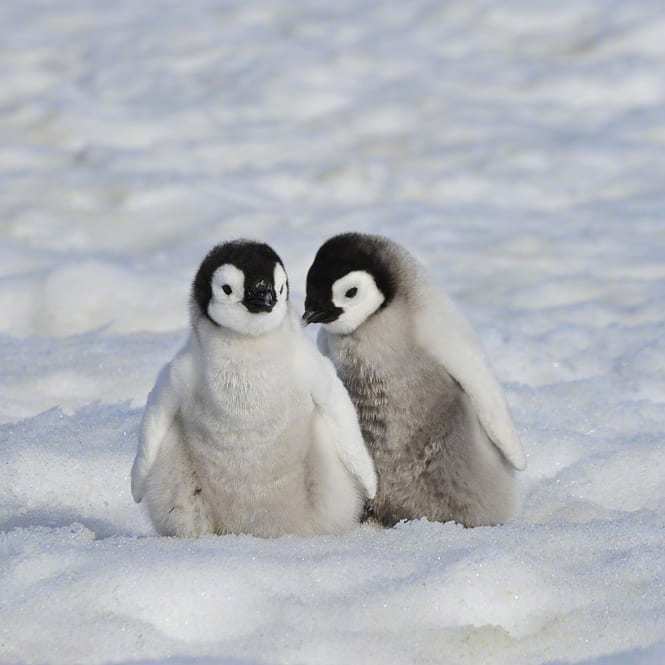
(261, 298)
(320, 316)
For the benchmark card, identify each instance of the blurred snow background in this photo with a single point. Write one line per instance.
(518, 147)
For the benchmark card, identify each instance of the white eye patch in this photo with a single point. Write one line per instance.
(228, 284)
(279, 279)
(358, 296)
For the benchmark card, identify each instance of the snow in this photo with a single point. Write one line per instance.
(517, 147)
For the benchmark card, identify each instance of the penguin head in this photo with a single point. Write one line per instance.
(242, 285)
(349, 281)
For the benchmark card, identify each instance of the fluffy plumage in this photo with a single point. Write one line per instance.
(249, 429)
(432, 413)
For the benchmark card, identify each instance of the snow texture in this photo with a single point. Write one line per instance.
(517, 147)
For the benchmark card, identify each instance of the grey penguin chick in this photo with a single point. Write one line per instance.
(432, 413)
(248, 429)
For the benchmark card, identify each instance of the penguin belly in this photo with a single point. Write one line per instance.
(248, 450)
(432, 456)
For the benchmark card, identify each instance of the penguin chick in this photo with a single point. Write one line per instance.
(248, 429)
(432, 413)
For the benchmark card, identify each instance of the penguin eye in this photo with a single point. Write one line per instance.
(227, 289)
(351, 292)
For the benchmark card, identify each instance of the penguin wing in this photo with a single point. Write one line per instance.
(444, 333)
(160, 410)
(338, 416)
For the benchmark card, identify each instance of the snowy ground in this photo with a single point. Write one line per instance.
(518, 147)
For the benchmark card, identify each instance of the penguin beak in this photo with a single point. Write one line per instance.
(320, 316)
(261, 298)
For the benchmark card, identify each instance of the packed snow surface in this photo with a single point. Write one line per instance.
(517, 147)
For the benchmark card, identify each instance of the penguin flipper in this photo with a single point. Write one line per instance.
(443, 332)
(160, 411)
(339, 415)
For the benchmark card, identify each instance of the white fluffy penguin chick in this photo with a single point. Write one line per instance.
(249, 429)
(432, 413)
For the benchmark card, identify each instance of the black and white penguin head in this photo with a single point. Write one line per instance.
(348, 282)
(242, 285)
